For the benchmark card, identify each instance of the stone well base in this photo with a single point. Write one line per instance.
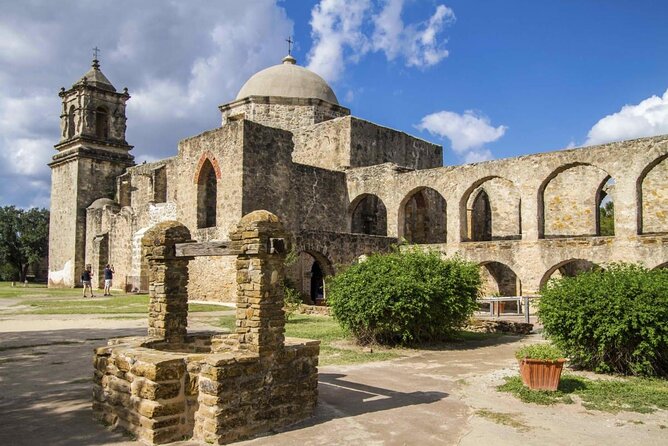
(200, 388)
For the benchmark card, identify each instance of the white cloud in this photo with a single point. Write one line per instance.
(335, 26)
(467, 132)
(180, 61)
(648, 118)
(478, 155)
(344, 32)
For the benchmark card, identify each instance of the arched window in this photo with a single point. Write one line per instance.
(71, 128)
(101, 122)
(207, 192)
(481, 218)
(605, 220)
(369, 216)
(422, 216)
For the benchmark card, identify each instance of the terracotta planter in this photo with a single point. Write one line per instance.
(540, 374)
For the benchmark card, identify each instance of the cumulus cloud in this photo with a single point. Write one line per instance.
(343, 32)
(467, 132)
(647, 118)
(180, 61)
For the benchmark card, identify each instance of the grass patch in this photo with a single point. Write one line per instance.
(123, 304)
(642, 395)
(503, 418)
(330, 334)
(34, 290)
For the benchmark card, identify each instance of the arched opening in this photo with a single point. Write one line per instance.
(317, 284)
(422, 217)
(605, 223)
(102, 122)
(652, 195)
(207, 195)
(569, 200)
(369, 216)
(499, 280)
(481, 218)
(490, 209)
(568, 268)
(71, 128)
(307, 275)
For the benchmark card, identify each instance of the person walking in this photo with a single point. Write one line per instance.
(87, 280)
(108, 275)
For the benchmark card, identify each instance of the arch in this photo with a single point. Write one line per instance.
(309, 274)
(368, 215)
(569, 268)
(652, 197)
(568, 201)
(605, 215)
(500, 279)
(422, 216)
(207, 195)
(481, 217)
(490, 209)
(102, 122)
(71, 127)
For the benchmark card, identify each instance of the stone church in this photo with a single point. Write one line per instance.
(344, 187)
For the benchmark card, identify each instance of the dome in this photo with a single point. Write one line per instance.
(96, 78)
(102, 202)
(288, 80)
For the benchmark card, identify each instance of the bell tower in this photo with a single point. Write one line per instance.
(91, 153)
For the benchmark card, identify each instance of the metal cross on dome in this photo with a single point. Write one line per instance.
(290, 42)
(96, 52)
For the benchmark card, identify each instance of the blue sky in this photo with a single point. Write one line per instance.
(486, 79)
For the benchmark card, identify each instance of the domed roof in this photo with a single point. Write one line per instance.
(288, 80)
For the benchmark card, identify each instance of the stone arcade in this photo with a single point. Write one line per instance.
(343, 187)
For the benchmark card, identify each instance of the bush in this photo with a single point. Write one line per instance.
(610, 321)
(404, 297)
(545, 352)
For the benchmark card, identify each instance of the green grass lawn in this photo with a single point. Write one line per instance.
(643, 395)
(334, 348)
(42, 300)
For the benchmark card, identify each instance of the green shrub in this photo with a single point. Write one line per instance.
(612, 321)
(539, 351)
(404, 297)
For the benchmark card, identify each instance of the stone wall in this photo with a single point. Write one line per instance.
(536, 198)
(352, 142)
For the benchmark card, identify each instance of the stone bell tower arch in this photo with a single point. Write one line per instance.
(91, 153)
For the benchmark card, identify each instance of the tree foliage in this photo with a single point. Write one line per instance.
(613, 320)
(606, 218)
(24, 238)
(404, 297)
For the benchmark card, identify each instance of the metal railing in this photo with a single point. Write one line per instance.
(522, 303)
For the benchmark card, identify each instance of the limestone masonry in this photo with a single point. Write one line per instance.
(343, 187)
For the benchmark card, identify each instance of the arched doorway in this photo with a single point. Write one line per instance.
(207, 195)
(308, 275)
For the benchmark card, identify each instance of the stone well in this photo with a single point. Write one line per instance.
(215, 388)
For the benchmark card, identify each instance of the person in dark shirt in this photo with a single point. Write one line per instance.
(87, 279)
(108, 275)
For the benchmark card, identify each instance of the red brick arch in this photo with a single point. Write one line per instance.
(214, 162)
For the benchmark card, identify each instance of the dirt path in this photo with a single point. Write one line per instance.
(440, 397)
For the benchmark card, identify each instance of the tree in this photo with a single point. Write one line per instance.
(24, 239)
(607, 218)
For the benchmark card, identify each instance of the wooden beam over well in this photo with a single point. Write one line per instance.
(219, 248)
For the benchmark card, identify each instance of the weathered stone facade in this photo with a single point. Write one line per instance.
(351, 187)
(215, 388)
